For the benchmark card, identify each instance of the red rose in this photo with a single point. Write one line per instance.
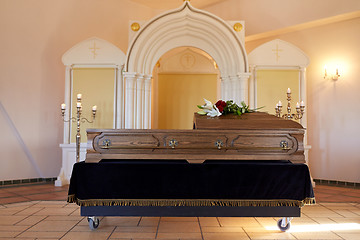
(220, 105)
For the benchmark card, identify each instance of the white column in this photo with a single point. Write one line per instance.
(303, 120)
(67, 101)
(302, 94)
(222, 85)
(119, 98)
(225, 80)
(147, 102)
(234, 89)
(129, 79)
(139, 101)
(252, 88)
(244, 87)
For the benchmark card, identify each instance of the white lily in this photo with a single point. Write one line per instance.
(208, 105)
(214, 112)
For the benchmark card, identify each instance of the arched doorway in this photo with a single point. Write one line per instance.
(182, 78)
(185, 26)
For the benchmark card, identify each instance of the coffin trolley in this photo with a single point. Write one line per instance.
(229, 166)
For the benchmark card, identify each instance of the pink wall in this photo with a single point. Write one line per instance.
(34, 36)
(333, 107)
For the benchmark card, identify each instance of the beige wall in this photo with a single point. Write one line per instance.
(271, 87)
(179, 95)
(332, 107)
(97, 86)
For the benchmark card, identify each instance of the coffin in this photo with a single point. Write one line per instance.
(252, 136)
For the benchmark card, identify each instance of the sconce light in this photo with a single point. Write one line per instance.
(331, 76)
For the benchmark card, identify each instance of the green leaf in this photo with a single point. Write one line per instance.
(201, 112)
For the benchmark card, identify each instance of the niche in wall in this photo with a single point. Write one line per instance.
(272, 85)
(97, 86)
(183, 77)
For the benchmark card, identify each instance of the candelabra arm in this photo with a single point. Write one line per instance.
(73, 119)
(86, 120)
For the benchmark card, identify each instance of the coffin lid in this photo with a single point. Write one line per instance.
(255, 120)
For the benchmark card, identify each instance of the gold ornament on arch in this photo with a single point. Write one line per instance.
(135, 26)
(238, 27)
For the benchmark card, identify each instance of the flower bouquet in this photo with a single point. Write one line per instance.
(222, 108)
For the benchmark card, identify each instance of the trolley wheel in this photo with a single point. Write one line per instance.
(285, 228)
(93, 222)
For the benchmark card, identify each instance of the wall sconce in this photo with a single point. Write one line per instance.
(334, 77)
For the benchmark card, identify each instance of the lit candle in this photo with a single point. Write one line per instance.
(63, 106)
(297, 105)
(78, 104)
(79, 96)
(94, 108)
(279, 104)
(288, 90)
(302, 104)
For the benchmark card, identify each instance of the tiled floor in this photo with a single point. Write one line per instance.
(41, 212)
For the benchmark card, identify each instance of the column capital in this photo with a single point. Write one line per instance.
(130, 74)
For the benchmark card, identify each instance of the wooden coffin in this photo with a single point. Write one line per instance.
(252, 136)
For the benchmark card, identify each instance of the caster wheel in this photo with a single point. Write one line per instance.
(283, 228)
(93, 222)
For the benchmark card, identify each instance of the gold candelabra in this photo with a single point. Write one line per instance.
(300, 109)
(78, 119)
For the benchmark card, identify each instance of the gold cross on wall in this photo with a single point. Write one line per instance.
(94, 49)
(277, 50)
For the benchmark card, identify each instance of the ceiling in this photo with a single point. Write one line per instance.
(262, 16)
(170, 4)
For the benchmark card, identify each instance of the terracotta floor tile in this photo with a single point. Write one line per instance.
(12, 228)
(225, 236)
(149, 221)
(180, 235)
(13, 199)
(133, 235)
(209, 222)
(120, 221)
(54, 211)
(239, 222)
(43, 234)
(177, 227)
(8, 234)
(221, 229)
(31, 220)
(53, 226)
(28, 211)
(315, 235)
(10, 220)
(86, 235)
(137, 229)
(56, 219)
(7, 194)
(268, 236)
(179, 219)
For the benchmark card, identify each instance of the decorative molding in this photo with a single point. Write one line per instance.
(304, 26)
(94, 51)
(91, 53)
(187, 61)
(182, 27)
(278, 53)
(187, 26)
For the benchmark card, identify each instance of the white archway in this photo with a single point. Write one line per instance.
(185, 26)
